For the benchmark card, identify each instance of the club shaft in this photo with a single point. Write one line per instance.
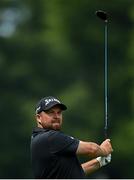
(106, 80)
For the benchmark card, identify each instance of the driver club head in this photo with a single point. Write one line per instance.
(102, 15)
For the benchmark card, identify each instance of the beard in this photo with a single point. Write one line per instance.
(56, 124)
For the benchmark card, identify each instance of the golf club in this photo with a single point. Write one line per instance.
(103, 16)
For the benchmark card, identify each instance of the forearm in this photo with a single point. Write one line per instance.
(90, 166)
(91, 149)
(94, 150)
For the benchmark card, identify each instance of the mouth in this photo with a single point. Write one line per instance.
(56, 124)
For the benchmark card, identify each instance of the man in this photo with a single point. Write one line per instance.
(54, 154)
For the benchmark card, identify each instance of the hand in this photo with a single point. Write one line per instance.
(104, 160)
(106, 147)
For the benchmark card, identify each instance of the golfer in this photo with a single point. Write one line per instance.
(54, 154)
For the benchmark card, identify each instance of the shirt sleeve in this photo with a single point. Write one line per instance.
(62, 144)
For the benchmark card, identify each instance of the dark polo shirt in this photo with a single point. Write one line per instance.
(53, 155)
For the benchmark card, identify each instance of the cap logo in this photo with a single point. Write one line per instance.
(47, 101)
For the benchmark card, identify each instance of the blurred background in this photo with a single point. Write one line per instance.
(56, 47)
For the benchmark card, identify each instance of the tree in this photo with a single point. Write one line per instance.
(56, 48)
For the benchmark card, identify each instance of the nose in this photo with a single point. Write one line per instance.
(56, 115)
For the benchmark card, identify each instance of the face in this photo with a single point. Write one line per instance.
(51, 119)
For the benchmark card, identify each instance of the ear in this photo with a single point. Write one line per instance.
(38, 118)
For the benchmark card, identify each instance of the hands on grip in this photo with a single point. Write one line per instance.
(104, 160)
(107, 150)
(106, 147)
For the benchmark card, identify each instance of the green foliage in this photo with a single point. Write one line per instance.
(56, 47)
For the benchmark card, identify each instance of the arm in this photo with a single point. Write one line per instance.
(94, 150)
(95, 164)
(90, 166)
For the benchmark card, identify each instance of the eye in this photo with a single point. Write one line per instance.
(48, 112)
(59, 112)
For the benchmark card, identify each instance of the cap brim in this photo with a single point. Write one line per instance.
(62, 106)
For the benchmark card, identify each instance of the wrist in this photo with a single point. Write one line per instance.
(99, 161)
(103, 152)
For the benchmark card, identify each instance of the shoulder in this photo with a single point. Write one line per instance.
(59, 135)
(61, 139)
